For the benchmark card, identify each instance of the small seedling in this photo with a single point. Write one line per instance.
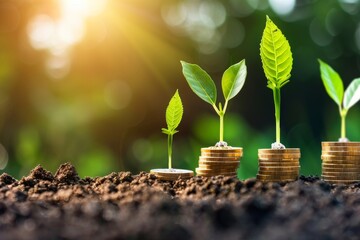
(335, 88)
(202, 85)
(174, 113)
(277, 63)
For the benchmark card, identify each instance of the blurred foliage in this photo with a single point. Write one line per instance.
(87, 81)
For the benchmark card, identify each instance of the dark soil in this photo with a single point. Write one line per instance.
(126, 206)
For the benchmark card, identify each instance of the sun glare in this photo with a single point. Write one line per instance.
(58, 36)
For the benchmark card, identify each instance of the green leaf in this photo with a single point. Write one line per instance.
(275, 55)
(332, 82)
(166, 131)
(352, 94)
(233, 79)
(174, 113)
(200, 82)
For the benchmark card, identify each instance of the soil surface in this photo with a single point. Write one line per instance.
(125, 206)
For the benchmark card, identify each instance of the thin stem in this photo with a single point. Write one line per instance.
(343, 113)
(277, 100)
(170, 141)
(221, 126)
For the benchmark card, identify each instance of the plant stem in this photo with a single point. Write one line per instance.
(221, 126)
(170, 141)
(277, 101)
(343, 113)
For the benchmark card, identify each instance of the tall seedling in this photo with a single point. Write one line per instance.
(202, 85)
(335, 88)
(277, 63)
(174, 113)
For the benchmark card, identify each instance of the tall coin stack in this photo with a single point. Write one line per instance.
(341, 162)
(277, 165)
(219, 161)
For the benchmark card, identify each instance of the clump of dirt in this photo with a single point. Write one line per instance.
(126, 206)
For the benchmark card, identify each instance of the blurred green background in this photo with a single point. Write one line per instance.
(88, 81)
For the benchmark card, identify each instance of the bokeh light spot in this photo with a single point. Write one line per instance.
(282, 7)
(58, 66)
(40, 31)
(235, 33)
(318, 33)
(357, 36)
(174, 15)
(212, 13)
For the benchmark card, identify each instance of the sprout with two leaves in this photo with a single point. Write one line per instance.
(202, 85)
(277, 63)
(335, 88)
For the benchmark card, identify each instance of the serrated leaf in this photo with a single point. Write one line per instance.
(233, 79)
(174, 113)
(275, 55)
(332, 82)
(352, 94)
(200, 82)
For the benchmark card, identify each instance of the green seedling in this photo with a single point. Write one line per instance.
(335, 88)
(277, 63)
(174, 113)
(202, 85)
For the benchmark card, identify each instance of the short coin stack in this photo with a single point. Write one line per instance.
(341, 162)
(277, 165)
(219, 161)
(172, 174)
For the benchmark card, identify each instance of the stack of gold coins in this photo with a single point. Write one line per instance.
(277, 165)
(341, 162)
(219, 161)
(171, 174)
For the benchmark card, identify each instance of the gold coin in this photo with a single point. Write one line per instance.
(171, 174)
(222, 150)
(340, 162)
(279, 156)
(341, 181)
(275, 178)
(280, 168)
(212, 175)
(345, 149)
(340, 153)
(219, 164)
(336, 164)
(277, 173)
(343, 173)
(218, 158)
(347, 176)
(278, 164)
(279, 161)
(206, 171)
(205, 154)
(279, 151)
(338, 144)
(340, 166)
(210, 167)
(337, 171)
(341, 158)
(232, 163)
